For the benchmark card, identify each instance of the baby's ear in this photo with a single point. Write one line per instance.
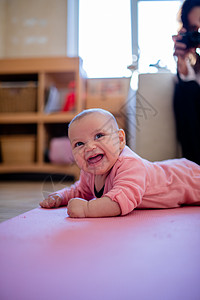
(122, 138)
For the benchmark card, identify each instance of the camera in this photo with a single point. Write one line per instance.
(191, 39)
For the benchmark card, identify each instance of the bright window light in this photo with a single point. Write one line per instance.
(105, 37)
(157, 22)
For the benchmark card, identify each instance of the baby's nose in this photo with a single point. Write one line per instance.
(90, 145)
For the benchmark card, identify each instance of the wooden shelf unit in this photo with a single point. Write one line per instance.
(57, 71)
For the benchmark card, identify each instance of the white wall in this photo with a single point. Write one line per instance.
(152, 129)
(33, 28)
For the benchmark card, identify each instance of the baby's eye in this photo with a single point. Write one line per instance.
(78, 144)
(98, 136)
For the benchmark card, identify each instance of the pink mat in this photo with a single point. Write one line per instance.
(149, 254)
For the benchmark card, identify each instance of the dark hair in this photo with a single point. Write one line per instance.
(187, 6)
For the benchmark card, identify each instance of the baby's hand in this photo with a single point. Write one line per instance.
(77, 207)
(52, 201)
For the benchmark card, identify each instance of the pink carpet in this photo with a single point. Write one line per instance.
(149, 254)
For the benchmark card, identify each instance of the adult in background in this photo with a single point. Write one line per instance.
(187, 89)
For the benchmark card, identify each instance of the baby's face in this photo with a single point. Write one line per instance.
(96, 143)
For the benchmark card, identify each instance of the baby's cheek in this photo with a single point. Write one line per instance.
(79, 160)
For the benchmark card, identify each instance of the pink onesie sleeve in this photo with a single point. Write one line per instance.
(128, 184)
(80, 189)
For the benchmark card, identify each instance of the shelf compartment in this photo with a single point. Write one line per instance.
(45, 72)
(58, 87)
(20, 78)
(18, 99)
(17, 129)
(18, 149)
(59, 79)
(52, 131)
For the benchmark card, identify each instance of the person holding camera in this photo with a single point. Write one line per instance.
(187, 89)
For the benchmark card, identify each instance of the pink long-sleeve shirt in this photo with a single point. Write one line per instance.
(135, 182)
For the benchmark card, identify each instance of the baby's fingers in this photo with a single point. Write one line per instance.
(48, 203)
(45, 204)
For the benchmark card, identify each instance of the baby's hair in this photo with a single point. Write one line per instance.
(94, 110)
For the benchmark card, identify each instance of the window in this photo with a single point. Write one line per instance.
(157, 22)
(105, 37)
(110, 31)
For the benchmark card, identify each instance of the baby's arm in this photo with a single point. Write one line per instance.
(80, 189)
(96, 208)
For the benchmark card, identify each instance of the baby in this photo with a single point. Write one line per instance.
(114, 180)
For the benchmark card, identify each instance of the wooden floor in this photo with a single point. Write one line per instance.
(19, 197)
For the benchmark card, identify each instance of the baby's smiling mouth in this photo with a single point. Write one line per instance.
(95, 159)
